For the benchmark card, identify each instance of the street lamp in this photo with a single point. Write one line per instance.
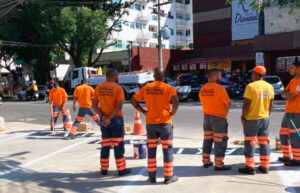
(160, 62)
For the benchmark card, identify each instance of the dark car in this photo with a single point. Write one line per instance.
(228, 85)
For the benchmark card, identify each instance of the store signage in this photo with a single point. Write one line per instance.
(244, 21)
(176, 68)
(185, 67)
(193, 66)
(259, 58)
(203, 66)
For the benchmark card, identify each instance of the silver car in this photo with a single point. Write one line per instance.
(276, 82)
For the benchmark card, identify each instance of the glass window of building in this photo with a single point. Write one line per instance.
(179, 16)
(132, 25)
(187, 16)
(138, 7)
(171, 31)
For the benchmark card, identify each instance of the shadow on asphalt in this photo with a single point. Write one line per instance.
(12, 160)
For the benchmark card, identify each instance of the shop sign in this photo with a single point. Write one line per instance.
(184, 67)
(244, 20)
(203, 66)
(193, 66)
(176, 68)
(259, 58)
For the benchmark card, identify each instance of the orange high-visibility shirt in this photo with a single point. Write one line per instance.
(157, 96)
(214, 99)
(108, 94)
(293, 87)
(58, 96)
(84, 94)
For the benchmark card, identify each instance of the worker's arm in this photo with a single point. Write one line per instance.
(74, 103)
(63, 105)
(51, 106)
(270, 107)
(288, 95)
(227, 106)
(175, 105)
(137, 106)
(245, 110)
(96, 108)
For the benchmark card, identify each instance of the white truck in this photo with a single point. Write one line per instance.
(131, 82)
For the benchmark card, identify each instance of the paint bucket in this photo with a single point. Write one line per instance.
(139, 151)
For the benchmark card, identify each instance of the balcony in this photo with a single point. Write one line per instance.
(181, 40)
(180, 8)
(181, 25)
(142, 1)
(143, 17)
(144, 36)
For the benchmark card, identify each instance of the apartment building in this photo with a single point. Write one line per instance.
(140, 27)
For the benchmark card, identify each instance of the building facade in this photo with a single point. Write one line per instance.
(215, 45)
(140, 27)
(281, 42)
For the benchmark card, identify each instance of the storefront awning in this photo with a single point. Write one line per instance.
(217, 59)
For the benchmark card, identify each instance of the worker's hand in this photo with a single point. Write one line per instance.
(171, 113)
(284, 95)
(105, 121)
(145, 113)
(243, 121)
(63, 109)
(74, 107)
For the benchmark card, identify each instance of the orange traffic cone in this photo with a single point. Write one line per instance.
(138, 127)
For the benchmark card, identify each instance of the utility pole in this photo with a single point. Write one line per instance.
(160, 59)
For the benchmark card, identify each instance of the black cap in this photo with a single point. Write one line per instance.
(296, 63)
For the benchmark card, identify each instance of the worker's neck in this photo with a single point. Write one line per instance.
(297, 76)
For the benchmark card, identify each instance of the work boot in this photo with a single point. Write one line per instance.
(171, 180)
(284, 159)
(263, 170)
(224, 168)
(104, 172)
(292, 163)
(208, 165)
(247, 170)
(124, 172)
(70, 136)
(152, 180)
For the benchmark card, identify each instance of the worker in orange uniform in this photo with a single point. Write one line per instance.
(258, 100)
(216, 104)
(83, 94)
(290, 143)
(57, 101)
(108, 103)
(157, 96)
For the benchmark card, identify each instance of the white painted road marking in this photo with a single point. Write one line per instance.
(43, 158)
(136, 177)
(288, 177)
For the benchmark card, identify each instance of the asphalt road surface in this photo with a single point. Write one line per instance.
(32, 160)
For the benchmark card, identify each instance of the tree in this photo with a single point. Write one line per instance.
(89, 28)
(262, 4)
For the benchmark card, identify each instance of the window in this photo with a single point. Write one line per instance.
(170, 16)
(187, 2)
(154, 10)
(179, 16)
(179, 33)
(283, 63)
(155, 35)
(126, 23)
(119, 44)
(171, 31)
(75, 74)
(138, 7)
(132, 6)
(144, 25)
(132, 26)
(154, 17)
(153, 28)
(118, 24)
(138, 25)
(188, 32)
(188, 17)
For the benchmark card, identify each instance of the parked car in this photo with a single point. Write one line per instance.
(277, 84)
(187, 79)
(42, 91)
(183, 91)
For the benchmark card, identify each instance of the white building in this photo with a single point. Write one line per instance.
(140, 27)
